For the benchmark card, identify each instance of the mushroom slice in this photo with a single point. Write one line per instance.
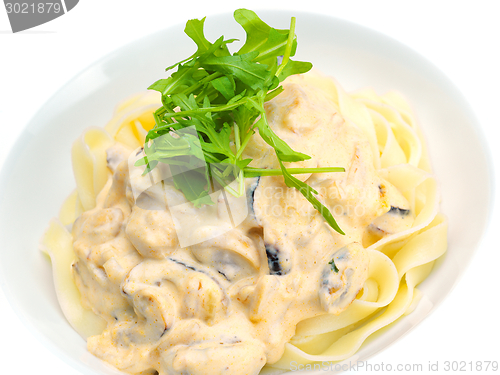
(399, 217)
(215, 357)
(251, 185)
(203, 298)
(116, 154)
(195, 292)
(155, 301)
(271, 296)
(233, 254)
(278, 260)
(98, 226)
(158, 307)
(152, 232)
(343, 277)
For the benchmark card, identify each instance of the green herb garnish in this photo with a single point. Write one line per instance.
(334, 266)
(214, 102)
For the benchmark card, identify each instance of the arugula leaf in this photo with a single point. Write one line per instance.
(309, 193)
(193, 184)
(269, 42)
(214, 103)
(294, 67)
(241, 67)
(283, 151)
(226, 86)
(194, 29)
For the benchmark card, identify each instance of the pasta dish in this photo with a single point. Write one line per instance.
(158, 283)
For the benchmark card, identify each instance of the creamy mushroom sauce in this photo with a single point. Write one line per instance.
(229, 304)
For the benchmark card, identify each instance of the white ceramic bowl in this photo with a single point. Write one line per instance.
(37, 175)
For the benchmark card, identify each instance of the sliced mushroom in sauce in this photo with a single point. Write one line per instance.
(198, 292)
(343, 277)
(278, 260)
(397, 218)
(238, 356)
(233, 254)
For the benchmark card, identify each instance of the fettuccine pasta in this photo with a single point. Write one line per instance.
(267, 318)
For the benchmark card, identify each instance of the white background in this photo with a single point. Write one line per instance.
(461, 38)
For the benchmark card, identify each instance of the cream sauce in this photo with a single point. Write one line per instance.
(229, 304)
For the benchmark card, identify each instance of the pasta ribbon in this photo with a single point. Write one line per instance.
(90, 169)
(57, 242)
